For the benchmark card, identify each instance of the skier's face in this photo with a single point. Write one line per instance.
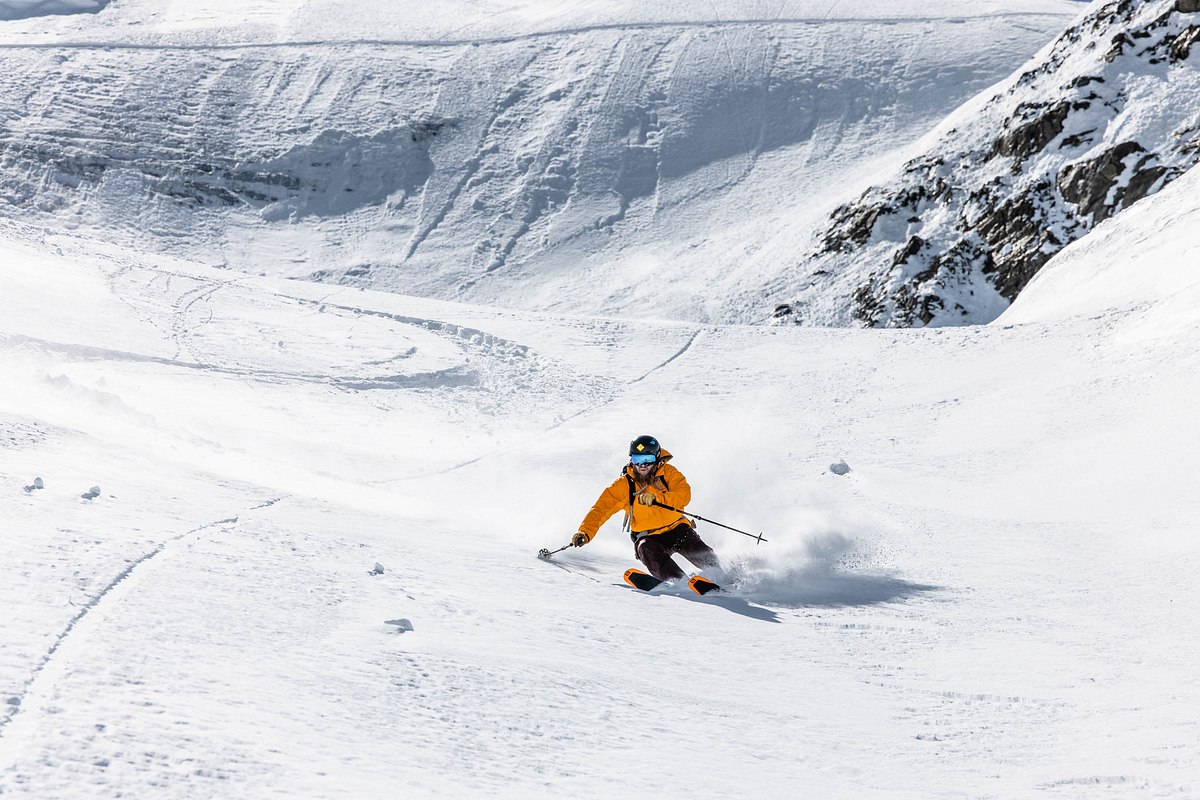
(642, 471)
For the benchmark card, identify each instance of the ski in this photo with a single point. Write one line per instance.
(640, 580)
(703, 586)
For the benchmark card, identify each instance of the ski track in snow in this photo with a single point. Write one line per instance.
(448, 377)
(687, 346)
(21, 701)
(587, 410)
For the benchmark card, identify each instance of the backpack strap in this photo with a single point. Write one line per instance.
(629, 510)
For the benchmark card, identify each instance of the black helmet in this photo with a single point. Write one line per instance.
(644, 446)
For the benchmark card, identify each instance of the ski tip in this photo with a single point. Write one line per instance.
(702, 585)
(640, 580)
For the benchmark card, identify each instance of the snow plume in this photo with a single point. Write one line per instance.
(826, 569)
(815, 554)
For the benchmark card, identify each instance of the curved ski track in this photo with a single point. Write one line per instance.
(17, 703)
(686, 346)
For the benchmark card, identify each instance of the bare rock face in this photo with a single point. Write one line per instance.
(1092, 185)
(1181, 45)
(1032, 137)
(1109, 116)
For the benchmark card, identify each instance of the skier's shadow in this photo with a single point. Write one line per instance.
(738, 605)
(821, 587)
(815, 588)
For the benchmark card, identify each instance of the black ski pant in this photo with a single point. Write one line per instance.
(655, 552)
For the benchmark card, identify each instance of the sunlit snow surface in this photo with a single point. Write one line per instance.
(997, 599)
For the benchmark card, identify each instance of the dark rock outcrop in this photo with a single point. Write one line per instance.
(961, 231)
(1033, 136)
(1087, 183)
(1181, 45)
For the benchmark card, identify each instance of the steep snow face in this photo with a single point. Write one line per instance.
(1105, 116)
(22, 9)
(656, 168)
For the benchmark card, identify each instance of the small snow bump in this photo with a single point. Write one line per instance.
(378, 570)
(839, 467)
(402, 624)
(91, 494)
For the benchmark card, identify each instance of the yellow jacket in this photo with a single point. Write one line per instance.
(668, 486)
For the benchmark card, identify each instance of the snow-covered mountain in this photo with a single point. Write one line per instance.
(268, 538)
(1107, 114)
(544, 155)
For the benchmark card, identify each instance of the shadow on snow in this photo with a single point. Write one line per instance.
(824, 587)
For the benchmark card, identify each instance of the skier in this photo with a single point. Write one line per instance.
(645, 486)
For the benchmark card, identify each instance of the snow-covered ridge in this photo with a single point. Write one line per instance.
(1106, 115)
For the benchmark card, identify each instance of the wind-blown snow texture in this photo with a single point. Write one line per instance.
(603, 160)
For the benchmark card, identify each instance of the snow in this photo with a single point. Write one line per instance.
(310, 570)
(1003, 575)
(478, 20)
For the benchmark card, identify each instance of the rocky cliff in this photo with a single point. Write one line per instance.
(1106, 115)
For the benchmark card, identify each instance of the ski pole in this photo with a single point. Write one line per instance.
(544, 553)
(758, 538)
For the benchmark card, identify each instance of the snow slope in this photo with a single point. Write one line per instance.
(544, 155)
(996, 600)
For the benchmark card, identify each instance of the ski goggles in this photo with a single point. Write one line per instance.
(642, 459)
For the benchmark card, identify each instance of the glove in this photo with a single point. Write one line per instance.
(580, 539)
(647, 499)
